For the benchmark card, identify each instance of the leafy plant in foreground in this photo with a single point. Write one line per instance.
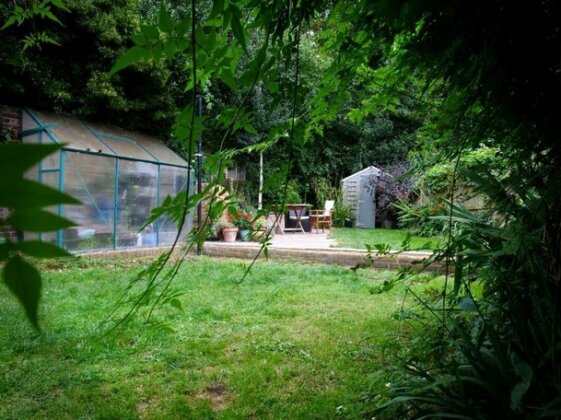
(497, 349)
(26, 200)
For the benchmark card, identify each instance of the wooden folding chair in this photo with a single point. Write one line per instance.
(323, 218)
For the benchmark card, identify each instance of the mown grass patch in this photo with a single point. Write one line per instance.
(291, 341)
(358, 238)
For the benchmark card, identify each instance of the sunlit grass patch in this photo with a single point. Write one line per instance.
(358, 238)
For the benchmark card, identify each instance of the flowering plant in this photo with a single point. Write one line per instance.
(242, 220)
(223, 223)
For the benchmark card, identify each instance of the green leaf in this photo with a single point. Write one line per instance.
(138, 39)
(150, 33)
(184, 26)
(24, 281)
(165, 22)
(210, 41)
(17, 158)
(169, 48)
(37, 220)
(227, 77)
(217, 8)
(525, 372)
(28, 194)
(52, 17)
(176, 304)
(237, 28)
(132, 56)
(40, 249)
(4, 251)
(11, 20)
(60, 4)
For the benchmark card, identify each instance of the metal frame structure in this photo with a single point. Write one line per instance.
(43, 130)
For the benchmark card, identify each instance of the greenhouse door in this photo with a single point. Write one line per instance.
(365, 215)
(137, 196)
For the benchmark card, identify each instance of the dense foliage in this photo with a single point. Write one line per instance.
(66, 68)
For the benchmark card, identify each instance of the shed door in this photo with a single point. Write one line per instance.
(365, 217)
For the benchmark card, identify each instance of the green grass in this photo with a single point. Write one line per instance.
(358, 238)
(291, 341)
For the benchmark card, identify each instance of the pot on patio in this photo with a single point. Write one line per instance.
(229, 234)
(245, 235)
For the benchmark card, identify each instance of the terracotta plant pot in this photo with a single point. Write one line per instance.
(230, 234)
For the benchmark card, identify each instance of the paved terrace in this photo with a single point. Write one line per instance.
(312, 247)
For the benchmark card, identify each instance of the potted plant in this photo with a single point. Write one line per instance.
(229, 230)
(244, 221)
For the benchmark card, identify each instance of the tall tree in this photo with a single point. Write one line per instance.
(70, 72)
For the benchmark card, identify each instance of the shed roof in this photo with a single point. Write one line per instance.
(369, 169)
(102, 139)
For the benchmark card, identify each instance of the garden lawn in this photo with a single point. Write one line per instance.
(358, 238)
(290, 341)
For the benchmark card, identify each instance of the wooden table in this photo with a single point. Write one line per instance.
(299, 212)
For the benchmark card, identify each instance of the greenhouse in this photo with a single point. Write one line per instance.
(117, 175)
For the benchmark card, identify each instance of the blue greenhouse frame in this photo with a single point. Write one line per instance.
(44, 129)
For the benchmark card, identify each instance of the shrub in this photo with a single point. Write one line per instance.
(393, 185)
(422, 219)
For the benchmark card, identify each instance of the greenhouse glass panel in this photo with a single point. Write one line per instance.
(51, 162)
(137, 196)
(72, 132)
(31, 139)
(124, 147)
(172, 181)
(33, 172)
(90, 179)
(50, 179)
(158, 150)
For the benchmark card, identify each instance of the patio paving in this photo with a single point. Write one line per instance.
(311, 247)
(314, 247)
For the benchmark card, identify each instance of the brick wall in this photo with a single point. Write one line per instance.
(11, 121)
(10, 118)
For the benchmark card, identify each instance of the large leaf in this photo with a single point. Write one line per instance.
(26, 194)
(132, 56)
(525, 372)
(165, 22)
(237, 28)
(37, 220)
(17, 158)
(24, 281)
(183, 26)
(60, 4)
(41, 249)
(4, 251)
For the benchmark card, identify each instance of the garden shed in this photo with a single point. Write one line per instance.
(359, 195)
(119, 177)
